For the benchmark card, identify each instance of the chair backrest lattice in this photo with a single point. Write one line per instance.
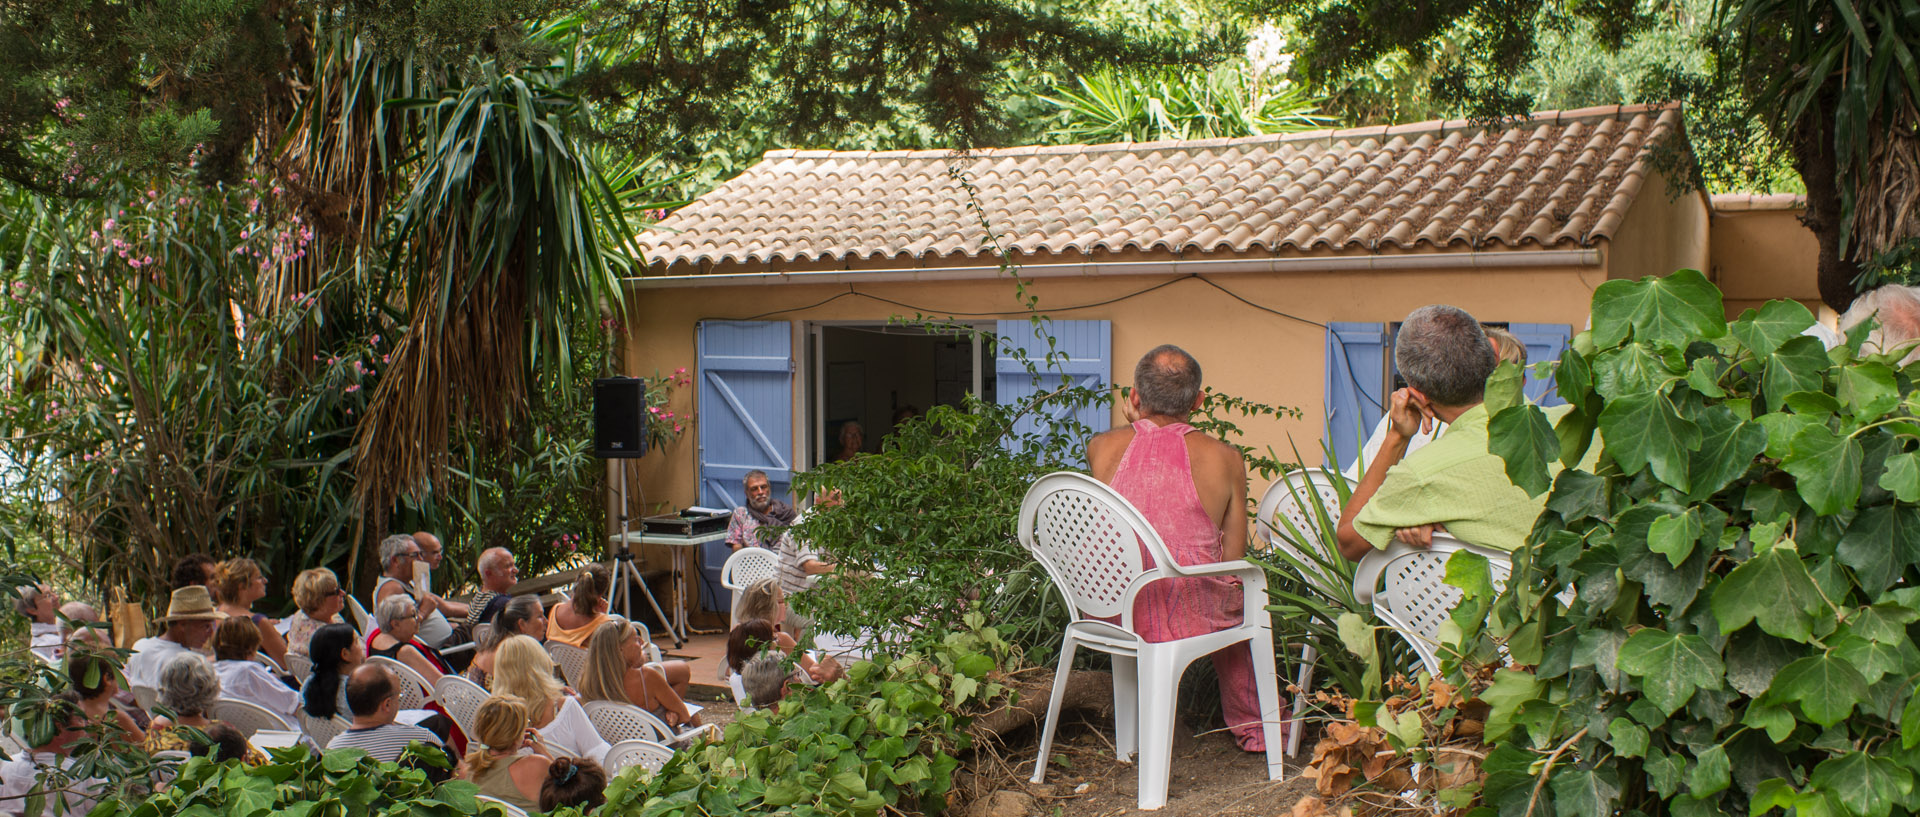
(1088, 538)
(248, 717)
(415, 692)
(643, 753)
(617, 722)
(1287, 514)
(749, 565)
(299, 666)
(1417, 593)
(571, 659)
(461, 698)
(322, 730)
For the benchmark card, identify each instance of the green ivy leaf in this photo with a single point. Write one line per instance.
(1866, 785)
(1826, 468)
(1780, 430)
(1674, 536)
(1635, 369)
(1882, 541)
(1826, 687)
(1511, 689)
(1775, 322)
(1678, 309)
(1586, 792)
(1883, 623)
(1773, 793)
(1868, 389)
(1503, 390)
(1664, 771)
(1710, 773)
(1773, 588)
(1910, 723)
(1670, 667)
(1578, 495)
(1644, 430)
(1753, 658)
(1902, 476)
(1776, 721)
(1874, 659)
(1797, 366)
(1521, 436)
(1573, 377)
(1704, 376)
(1628, 739)
(1600, 649)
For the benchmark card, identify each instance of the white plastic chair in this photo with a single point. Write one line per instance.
(267, 661)
(461, 698)
(617, 722)
(1089, 540)
(571, 659)
(1287, 520)
(1408, 590)
(653, 655)
(299, 666)
(415, 692)
(360, 616)
(248, 717)
(322, 730)
(744, 567)
(146, 697)
(510, 809)
(643, 753)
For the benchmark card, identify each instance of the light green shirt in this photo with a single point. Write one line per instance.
(1453, 481)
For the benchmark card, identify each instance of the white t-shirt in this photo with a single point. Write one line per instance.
(150, 657)
(45, 640)
(571, 733)
(22, 775)
(249, 681)
(1355, 470)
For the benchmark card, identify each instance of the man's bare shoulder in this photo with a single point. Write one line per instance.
(1212, 452)
(1105, 449)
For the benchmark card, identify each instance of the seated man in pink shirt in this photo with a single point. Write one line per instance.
(1193, 489)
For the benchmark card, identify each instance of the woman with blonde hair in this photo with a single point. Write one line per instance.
(521, 667)
(238, 583)
(617, 671)
(574, 620)
(496, 764)
(321, 600)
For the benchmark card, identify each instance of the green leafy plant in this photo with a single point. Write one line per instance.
(1742, 563)
(1231, 99)
(346, 781)
(885, 738)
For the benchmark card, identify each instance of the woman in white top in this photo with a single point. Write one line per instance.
(243, 678)
(521, 667)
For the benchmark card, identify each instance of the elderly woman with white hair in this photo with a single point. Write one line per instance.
(398, 620)
(188, 687)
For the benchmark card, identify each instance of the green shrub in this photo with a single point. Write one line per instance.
(1741, 638)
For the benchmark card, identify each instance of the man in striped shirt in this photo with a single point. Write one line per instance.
(373, 693)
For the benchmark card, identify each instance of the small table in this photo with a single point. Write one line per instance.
(680, 545)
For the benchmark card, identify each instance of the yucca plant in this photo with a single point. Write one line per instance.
(1229, 100)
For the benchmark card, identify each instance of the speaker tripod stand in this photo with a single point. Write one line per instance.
(625, 575)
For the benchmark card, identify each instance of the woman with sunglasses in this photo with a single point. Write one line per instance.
(321, 601)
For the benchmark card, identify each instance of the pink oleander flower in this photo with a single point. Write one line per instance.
(353, 388)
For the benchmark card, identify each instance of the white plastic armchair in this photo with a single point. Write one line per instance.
(248, 717)
(360, 616)
(1292, 516)
(571, 659)
(490, 804)
(643, 753)
(299, 666)
(1408, 590)
(415, 692)
(322, 730)
(146, 697)
(617, 722)
(744, 567)
(1089, 539)
(461, 698)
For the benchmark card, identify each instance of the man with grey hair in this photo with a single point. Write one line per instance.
(37, 603)
(498, 575)
(764, 678)
(400, 556)
(1453, 484)
(1192, 489)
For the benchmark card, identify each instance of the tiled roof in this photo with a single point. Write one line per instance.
(1556, 179)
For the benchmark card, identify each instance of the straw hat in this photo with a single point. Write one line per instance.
(191, 603)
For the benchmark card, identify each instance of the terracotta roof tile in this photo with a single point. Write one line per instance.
(1559, 178)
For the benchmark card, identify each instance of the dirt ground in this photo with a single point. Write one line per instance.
(1211, 776)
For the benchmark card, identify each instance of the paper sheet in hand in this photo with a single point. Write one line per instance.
(413, 717)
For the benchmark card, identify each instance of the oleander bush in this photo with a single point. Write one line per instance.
(1740, 634)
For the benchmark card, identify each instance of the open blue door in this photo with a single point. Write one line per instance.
(1355, 386)
(1544, 342)
(745, 423)
(1081, 353)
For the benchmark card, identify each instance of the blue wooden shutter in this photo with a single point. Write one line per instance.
(1082, 354)
(1544, 342)
(1355, 383)
(746, 408)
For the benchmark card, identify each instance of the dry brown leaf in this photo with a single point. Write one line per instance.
(1309, 806)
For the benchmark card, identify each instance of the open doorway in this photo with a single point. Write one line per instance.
(877, 374)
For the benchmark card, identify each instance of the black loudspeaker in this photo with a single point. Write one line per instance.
(620, 418)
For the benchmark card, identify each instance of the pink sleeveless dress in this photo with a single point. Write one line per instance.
(1157, 477)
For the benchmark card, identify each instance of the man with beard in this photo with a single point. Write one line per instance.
(798, 565)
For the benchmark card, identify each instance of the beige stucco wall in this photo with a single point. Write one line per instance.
(1661, 233)
(1244, 350)
(1764, 254)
